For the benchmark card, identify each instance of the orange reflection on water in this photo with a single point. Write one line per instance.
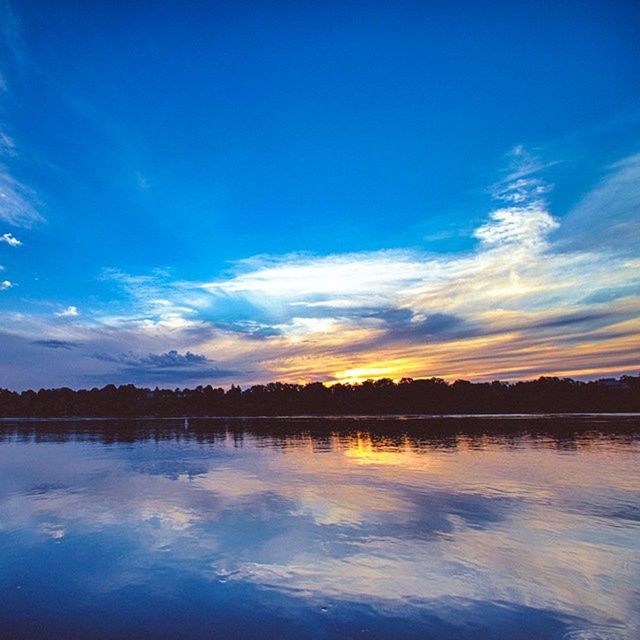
(393, 517)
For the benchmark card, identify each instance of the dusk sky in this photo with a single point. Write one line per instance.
(223, 192)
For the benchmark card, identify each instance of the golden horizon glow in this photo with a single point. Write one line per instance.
(522, 303)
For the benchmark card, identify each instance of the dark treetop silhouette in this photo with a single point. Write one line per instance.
(383, 397)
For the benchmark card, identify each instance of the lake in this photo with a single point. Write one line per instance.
(321, 528)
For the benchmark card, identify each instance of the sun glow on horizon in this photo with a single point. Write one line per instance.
(522, 301)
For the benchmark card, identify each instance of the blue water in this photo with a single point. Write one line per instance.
(319, 529)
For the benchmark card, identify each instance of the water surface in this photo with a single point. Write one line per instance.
(317, 528)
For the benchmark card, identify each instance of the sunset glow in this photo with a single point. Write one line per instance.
(228, 243)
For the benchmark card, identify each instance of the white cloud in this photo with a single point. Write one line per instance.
(521, 184)
(17, 202)
(358, 276)
(6, 284)
(10, 240)
(517, 304)
(513, 268)
(70, 312)
(528, 226)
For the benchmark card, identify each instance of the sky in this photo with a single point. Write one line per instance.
(218, 192)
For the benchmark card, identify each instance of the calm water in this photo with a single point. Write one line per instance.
(320, 529)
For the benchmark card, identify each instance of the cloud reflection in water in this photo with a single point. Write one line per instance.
(335, 531)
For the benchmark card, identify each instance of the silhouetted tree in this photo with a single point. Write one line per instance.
(372, 397)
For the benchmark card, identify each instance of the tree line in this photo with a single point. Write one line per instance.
(373, 397)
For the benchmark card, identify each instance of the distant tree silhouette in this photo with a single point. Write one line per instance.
(372, 397)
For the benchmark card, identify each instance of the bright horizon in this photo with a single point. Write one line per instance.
(258, 193)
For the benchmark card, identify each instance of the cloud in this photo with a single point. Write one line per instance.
(608, 217)
(157, 300)
(171, 359)
(17, 202)
(10, 240)
(56, 344)
(7, 145)
(70, 312)
(340, 280)
(519, 296)
(163, 367)
(249, 328)
(522, 182)
(614, 293)
(141, 180)
(526, 226)
(521, 302)
(6, 284)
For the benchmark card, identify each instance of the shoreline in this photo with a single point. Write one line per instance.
(333, 417)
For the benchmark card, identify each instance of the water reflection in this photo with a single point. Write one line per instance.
(321, 529)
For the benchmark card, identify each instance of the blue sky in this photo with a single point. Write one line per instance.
(215, 192)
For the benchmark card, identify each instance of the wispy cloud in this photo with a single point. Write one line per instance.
(6, 284)
(17, 202)
(518, 296)
(608, 217)
(525, 225)
(520, 303)
(522, 182)
(155, 296)
(7, 145)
